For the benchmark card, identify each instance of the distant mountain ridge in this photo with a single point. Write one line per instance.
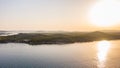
(115, 31)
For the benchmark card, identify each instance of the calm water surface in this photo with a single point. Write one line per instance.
(100, 54)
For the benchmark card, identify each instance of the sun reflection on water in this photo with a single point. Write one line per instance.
(103, 48)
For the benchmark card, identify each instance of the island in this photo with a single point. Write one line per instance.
(59, 38)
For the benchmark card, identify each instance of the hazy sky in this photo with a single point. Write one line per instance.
(67, 15)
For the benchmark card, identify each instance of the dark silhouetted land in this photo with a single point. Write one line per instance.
(59, 38)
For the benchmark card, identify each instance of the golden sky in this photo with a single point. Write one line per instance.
(66, 15)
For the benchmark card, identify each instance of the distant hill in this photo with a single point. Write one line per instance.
(58, 38)
(111, 31)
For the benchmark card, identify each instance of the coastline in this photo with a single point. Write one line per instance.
(58, 38)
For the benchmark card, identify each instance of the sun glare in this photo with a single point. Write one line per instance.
(105, 13)
(103, 48)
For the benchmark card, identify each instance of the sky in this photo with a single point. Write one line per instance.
(50, 15)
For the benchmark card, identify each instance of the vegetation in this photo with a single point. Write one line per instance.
(58, 38)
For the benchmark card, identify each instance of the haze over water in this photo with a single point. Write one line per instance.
(99, 54)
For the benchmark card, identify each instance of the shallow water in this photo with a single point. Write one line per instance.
(100, 54)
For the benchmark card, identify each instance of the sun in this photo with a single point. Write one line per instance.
(105, 13)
